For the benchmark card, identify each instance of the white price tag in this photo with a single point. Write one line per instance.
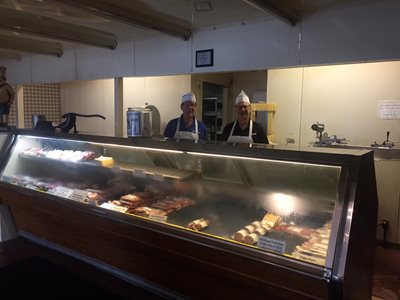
(272, 245)
(78, 195)
(114, 207)
(162, 219)
(7, 179)
(61, 191)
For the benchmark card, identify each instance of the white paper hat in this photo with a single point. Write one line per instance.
(188, 97)
(242, 97)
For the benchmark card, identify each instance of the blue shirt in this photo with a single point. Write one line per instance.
(171, 128)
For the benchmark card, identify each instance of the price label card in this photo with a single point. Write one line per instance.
(114, 207)
(272, 245)
(162, 219)
(6, 179)
(61, 191)
(78, 195)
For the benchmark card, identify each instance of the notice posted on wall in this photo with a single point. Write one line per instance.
(388, 110)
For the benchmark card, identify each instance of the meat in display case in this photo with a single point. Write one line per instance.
(292, 223)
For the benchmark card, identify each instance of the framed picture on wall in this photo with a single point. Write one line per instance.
(205, 58)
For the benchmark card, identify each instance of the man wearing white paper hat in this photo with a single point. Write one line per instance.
(244, 130)
(187, 127)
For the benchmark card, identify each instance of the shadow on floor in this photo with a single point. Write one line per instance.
(386, 283)
(37, 278)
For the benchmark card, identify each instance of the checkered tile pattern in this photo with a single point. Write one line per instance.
(42, 99)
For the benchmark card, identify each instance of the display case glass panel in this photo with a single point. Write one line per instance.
(5, 138)
(260, 205)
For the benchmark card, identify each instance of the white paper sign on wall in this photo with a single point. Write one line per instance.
(388, 110)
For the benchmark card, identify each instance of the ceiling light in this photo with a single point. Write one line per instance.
(133, 14)
(27, 23)
(30, 45)
(203, 6)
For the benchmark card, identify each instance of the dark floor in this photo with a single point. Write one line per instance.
(28, 269)
(31, 271)
(386, 284)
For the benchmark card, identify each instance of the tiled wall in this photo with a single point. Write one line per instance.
(42, 99)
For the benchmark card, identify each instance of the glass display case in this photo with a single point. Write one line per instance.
(4, 139)
(288, 208)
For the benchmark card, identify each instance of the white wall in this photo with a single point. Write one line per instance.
(285, 89)
(97, 97)
(96, 63)
(364, 31)
(164, 92)
(249, 82)
(342, 97)
(90, 97)
(162, 56)
(249, 45)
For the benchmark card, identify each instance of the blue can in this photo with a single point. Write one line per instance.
(133, 117)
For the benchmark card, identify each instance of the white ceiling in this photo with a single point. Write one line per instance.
(134, 19)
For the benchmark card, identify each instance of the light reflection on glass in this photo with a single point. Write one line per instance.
(282, 204)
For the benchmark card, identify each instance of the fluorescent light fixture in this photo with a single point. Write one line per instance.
(30, 45)
(133, 14)
(26, 23)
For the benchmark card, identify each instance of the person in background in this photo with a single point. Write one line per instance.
(7, 96)
(187, 127)
(244, 130)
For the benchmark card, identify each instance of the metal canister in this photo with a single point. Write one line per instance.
(134, 126)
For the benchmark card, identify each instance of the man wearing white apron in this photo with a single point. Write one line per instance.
(244, 130)
(187, 127)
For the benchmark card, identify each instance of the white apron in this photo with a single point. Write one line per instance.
(186, 135)
(239, 138)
